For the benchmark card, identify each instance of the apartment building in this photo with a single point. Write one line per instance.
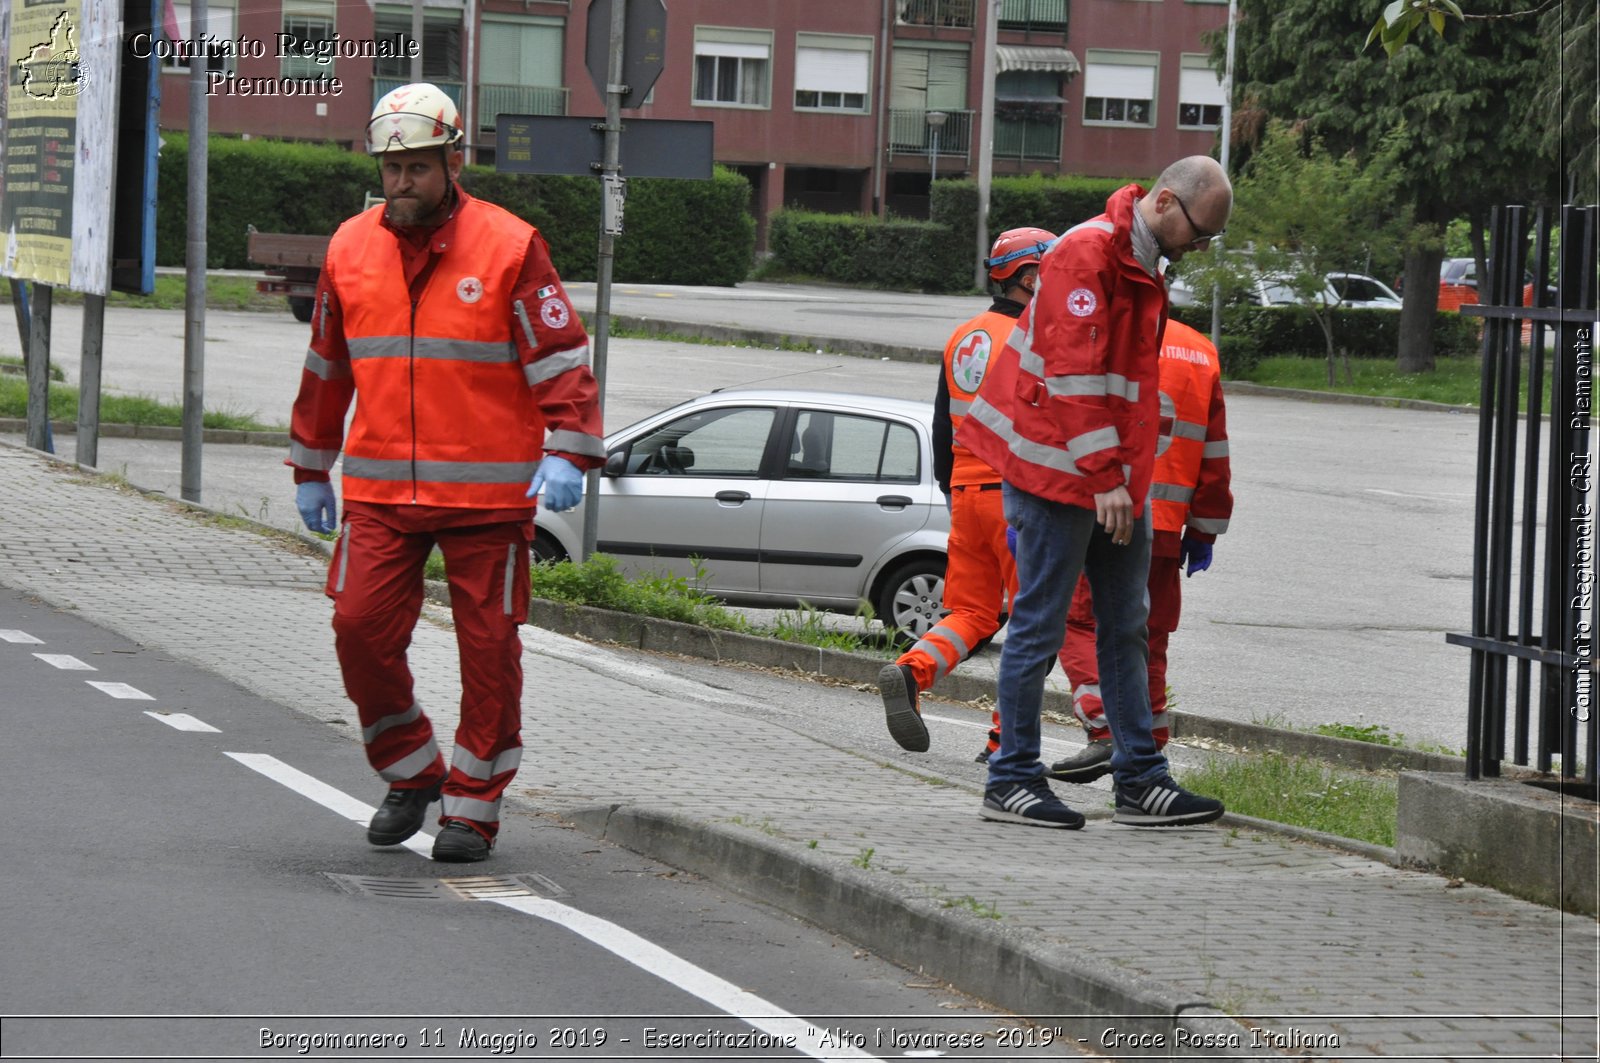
(840, 105)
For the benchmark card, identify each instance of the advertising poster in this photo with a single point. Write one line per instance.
(59, 127)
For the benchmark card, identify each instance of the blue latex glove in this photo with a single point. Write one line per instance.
(561, 481)
(1196, 554)
(318, 508)
(1011, 540)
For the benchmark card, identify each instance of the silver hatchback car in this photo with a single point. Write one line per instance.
(780, 497)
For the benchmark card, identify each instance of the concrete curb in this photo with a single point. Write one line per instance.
(155, 431)
(1034, 978)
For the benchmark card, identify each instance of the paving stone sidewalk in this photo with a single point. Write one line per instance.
(1315, 946)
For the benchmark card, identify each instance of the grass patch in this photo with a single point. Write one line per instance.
(222, 293)
(1375, 733)
(598, 582)
(1303, 793)
(120, 409)
(1454, 381)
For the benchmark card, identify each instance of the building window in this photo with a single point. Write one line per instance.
(521, 67)
(307, 29)
(1199, 94)
(732, 67)
(1119, 88)
(1027, 114)
(441, 44)
(218, 28)
(832, 73)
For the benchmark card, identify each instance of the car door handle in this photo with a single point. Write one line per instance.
(733, 498)
(893, 501)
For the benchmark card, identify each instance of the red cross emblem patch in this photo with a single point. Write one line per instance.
(469, 289)
(1081, 303)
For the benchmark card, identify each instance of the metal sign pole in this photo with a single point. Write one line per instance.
(613, 192)
(194, 298)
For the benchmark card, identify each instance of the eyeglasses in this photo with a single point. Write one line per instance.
(1200, 235)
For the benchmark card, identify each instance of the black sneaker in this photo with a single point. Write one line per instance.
(401, 814)
(458, 843)
(1086, 765)
(1031, 803)
(899, 689)
(1163, 804)
(984, 754)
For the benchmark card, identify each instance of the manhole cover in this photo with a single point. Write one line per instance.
(465, 888)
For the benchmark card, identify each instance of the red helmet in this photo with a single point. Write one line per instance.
(1016, 248)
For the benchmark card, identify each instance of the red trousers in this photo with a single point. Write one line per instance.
(980, 576)
(1083, 669)
(375, 582)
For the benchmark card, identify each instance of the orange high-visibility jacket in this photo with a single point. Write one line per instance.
(1069, 408)
(452, 400)
(966, 359)
(1190, 484)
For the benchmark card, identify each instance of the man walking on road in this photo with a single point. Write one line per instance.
(445, 315)
(1068, 415)
(980, 574)
(1190, 504)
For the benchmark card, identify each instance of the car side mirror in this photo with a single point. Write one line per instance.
(616, 463)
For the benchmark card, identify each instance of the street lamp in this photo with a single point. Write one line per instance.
(936, 120)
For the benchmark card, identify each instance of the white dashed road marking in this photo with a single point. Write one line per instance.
(182, 721)
(12, 635)
(120, 690)
(66, 662)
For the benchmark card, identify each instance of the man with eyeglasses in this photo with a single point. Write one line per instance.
(445, 313)
(1069, 415)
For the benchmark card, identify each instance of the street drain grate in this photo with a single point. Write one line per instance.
(466, 888)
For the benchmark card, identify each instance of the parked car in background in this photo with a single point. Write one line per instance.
(1360, 290)
(1268, 289)
(777, 497)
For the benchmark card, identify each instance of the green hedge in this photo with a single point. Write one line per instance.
(676, 232)
(1250, 333)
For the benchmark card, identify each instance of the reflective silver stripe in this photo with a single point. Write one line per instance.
(556, 363)
(575, 443)
(455, 472)
(942, 664)
(1216, 448)
(344, 560)
(409, 767)
(467, 764)
(369, 734)
(327, 370)
(432, 348)
(1209, 525)
(1077, 385)
(1093, 223)
(1188, 430)
(1094, 442)
(959, 407)
(511, 571)
(1085, 690)
(1033, 453)
(309, 458)
(527, 326)
(1170, 493)
(470, 808)
(322, 318)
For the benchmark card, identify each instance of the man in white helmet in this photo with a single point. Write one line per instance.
(445, 314)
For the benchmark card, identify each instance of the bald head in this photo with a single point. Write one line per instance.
(1189, 203)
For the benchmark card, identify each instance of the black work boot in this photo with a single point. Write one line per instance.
(459, 843)
(401, 814)
(899, 690)
(1087, 765)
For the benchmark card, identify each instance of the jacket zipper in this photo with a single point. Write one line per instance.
(411, 372)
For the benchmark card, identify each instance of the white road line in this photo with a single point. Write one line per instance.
(66, 662)
(338, 801)
(972, 725)
(645, 955)
(120, 690)
(12, 635)
(681, 974)
(181, 721)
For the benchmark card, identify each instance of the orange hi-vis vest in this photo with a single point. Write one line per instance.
(1190, 376)
(966, 359)
(444, 415)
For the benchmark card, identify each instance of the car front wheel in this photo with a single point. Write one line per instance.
(911, 598)
(546, 548)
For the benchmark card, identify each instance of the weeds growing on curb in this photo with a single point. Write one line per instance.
(119, 409)
(863, 859)
(1303, 792)
(973, 905)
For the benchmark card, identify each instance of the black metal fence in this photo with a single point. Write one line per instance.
(1533, 562)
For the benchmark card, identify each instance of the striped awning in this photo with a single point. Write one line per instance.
(1032, 57)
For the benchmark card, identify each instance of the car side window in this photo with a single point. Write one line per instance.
(841, 447)
(722, 442)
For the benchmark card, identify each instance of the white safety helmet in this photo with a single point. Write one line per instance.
(419, 115)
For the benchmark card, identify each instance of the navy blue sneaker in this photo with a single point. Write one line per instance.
(1031, 803)
(1163, 804)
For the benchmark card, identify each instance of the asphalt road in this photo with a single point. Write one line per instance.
(1347, 562)
(197, 889)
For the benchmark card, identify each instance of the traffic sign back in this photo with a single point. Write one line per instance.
(644, 46)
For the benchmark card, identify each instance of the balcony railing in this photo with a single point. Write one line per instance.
(1044, 16)
(1027, 138)
(495, 100)
(910, 134)
(948, 13)
(382, 86)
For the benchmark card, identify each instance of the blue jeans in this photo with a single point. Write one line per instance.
(1055, 542)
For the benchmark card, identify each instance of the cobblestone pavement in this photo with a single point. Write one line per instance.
(1313, 945)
